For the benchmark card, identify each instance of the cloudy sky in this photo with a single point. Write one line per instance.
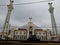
(38, 11)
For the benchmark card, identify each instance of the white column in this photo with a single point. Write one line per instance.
(27, 33)
(5, 27)
(41, 37)
(51, 10)
(33, 32)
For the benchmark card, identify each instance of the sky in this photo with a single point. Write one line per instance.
(38, 11)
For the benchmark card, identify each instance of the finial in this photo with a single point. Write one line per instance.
(11, 1)
(50, 3)
(30, 18)
(51, 8)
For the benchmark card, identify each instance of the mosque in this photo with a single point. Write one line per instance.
(25, 31)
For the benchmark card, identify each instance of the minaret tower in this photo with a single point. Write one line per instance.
(54, 28)
(6, 24)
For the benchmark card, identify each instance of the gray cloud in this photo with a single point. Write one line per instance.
(38, 12)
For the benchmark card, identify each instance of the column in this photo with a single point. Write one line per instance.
(6, 24)
(33, 31)
(27, 33)
(51, 10)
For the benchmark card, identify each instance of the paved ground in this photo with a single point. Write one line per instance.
(42, 44)
(19, 43)
(29, 44)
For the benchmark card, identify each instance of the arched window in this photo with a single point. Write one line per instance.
(16, 32)
(39, 33)
(20, 32)
(30, 28)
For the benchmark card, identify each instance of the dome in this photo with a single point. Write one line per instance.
(29, 24)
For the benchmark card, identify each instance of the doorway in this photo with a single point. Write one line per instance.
(30, 32)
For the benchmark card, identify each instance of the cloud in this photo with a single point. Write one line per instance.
(21, 13)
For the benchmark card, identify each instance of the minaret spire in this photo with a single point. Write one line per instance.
(51, 10)
(6, 23)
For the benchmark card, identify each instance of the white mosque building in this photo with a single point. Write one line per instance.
(24, 32)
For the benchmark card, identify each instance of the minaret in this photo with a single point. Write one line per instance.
(54, 28)
(6, 24)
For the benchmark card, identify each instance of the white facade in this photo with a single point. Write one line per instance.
(20, 35)
(29, 29)
(41, 35)
(23, 35)
(48, 35)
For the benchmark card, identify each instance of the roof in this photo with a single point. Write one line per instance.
(26, 26)
(20, 30)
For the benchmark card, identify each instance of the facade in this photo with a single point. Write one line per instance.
(1, 34)
(24, 32)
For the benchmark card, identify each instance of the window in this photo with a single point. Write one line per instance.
(20, 37)
(35, 33)
(16, 32)
(15, 37)
(30, 32)
(20, 32)
(24, 37)
(38, 37)
(44, 33)
(30, 27)
(39, 33)
(24, 32)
